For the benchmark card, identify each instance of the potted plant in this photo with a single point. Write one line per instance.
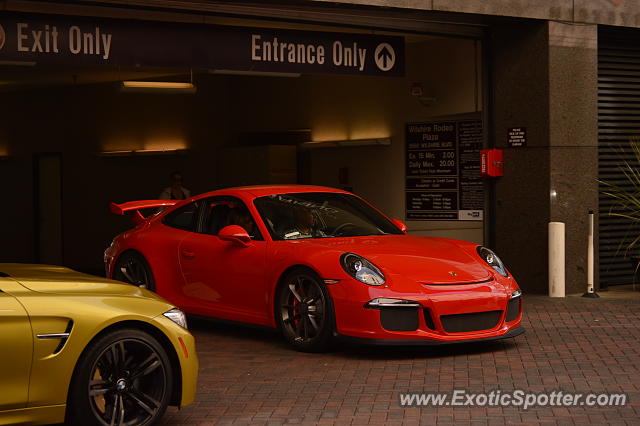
(625, 195)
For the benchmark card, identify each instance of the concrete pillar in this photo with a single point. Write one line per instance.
(545, 79)
(573, 139)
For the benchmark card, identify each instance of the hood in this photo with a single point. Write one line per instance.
(59, 280)
(427, 260)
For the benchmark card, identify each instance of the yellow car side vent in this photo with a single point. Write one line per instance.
(62, 336)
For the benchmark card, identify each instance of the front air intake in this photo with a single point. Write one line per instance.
(399, 319)
(476, 321)
(513, 309)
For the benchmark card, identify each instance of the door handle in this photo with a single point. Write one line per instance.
(188, 253)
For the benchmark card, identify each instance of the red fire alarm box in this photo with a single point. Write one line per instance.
(491, 162)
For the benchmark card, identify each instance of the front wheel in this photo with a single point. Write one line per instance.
(304, 311)
(124, 378)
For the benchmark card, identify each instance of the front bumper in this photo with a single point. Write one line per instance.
(190, 367)
(439, 313)
(184, 346)
(422, 342)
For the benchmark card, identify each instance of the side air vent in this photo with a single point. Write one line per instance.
(62, 336)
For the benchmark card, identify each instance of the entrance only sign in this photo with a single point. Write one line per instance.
(74, 40)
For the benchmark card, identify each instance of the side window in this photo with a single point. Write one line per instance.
(224, 211)
(184, 218)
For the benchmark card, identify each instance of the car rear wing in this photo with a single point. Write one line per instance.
(136, 206)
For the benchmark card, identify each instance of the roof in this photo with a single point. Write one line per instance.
(262, 190)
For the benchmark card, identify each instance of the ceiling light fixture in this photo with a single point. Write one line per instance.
(347, 143)
(158, 87)
(142, 86)
(137, 152)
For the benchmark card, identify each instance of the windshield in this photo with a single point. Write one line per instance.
(321, 215)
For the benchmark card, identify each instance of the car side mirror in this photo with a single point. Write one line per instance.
(235, 234)
(400, 224)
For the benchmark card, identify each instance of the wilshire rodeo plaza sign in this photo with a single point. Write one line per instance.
(43, 40)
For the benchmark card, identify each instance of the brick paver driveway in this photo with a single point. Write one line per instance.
(574, 344)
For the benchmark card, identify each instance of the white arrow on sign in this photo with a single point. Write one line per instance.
(385, 56)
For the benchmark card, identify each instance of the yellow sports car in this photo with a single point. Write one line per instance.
(88, 350)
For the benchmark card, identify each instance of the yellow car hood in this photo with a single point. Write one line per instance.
(61, 280)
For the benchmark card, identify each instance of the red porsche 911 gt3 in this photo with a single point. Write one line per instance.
(317, 263)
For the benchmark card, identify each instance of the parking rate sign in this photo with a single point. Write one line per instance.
(443, 171)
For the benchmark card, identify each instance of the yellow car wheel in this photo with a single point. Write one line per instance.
(124, 377)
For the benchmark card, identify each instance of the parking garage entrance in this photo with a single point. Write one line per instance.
(394, 115)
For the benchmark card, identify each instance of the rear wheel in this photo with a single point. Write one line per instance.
(124, 378)
(133, 268)
(304, 311)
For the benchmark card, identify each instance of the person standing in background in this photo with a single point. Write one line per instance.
(176, 191)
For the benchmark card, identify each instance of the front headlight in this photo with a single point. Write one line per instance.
(361, 269)
(493, 260)
(177, 316)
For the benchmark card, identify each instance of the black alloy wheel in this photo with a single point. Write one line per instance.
(132, 268)
(304, 311)
(125, 378)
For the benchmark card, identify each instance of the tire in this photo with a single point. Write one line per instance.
(134, 390)
(304, 311)
(134, 269)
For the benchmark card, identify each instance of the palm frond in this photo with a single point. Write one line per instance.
(626, 194)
